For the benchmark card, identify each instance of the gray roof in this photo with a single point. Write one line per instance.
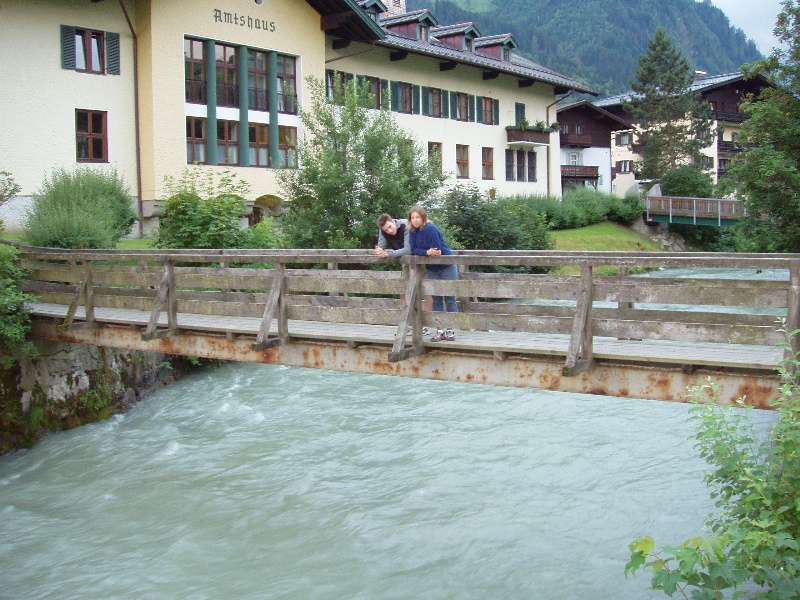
(593, 106)
(493, 40)
(444, 30)
(702, 83)
(409, 17)
(518, 66)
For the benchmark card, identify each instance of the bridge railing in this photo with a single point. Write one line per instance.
(601, 296)
(696, 208)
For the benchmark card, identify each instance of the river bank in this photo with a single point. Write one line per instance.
(67, 385)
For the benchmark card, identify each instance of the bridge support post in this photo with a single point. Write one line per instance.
(412, 315)
(166, 294)
(793, 317)
(580, 354)
(84, 287)
(276, 307)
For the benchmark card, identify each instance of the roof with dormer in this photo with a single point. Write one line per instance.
(702, 84)
(518, 66)
(410, 17)
(372, 4)
(456, 29)
(505, 39)
(348, 20)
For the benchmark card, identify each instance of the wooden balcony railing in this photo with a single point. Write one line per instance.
(528, 135)
(575, 139)
(579, 171)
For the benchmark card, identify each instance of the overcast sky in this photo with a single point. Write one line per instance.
(755, 17)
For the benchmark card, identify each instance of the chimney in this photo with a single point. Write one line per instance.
(395, 7)
(699, 75)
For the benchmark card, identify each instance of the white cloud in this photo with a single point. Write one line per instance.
(755, 18)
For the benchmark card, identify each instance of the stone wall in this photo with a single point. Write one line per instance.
(68, 385)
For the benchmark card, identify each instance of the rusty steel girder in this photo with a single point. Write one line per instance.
(655, 382)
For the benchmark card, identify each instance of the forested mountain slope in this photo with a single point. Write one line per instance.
(599, 42)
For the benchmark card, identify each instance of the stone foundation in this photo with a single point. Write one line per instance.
(68, 385)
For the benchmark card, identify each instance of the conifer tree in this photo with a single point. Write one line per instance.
(673, 121)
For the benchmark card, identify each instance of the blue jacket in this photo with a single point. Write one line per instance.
(429, 236)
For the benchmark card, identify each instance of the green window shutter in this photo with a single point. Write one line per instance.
(496, 112)
(453, 105)
(445, 105)
(519, 112)
(67, 47)
(395, 96)
(385, 100)
(472, 108)
(415, 99)
(479, 109)
(426, 101)
(112, 53)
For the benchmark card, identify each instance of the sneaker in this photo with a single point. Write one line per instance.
(449, 335)
(439, 335)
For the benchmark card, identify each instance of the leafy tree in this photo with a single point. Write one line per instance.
(8, 187)
(82, 208)
(356, 164)
(673, 121)
(689, 181)
(768, 170)
(753, 544)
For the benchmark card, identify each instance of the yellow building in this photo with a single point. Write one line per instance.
(126, 84)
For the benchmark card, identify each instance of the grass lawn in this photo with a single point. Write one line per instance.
(604, 236)
(140, 244)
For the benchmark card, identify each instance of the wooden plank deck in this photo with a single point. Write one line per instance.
(655, 352)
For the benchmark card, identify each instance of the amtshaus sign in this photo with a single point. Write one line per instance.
(233, 18)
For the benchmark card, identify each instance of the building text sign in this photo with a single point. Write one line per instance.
(232, 18)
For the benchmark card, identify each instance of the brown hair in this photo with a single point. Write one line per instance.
(382, 219)
(422, 213)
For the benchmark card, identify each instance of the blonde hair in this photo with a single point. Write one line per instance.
(422, 213)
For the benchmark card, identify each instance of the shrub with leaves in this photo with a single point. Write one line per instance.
(753, 546)
(479, 223)
(202, 211)
(82, 208)
(15, 322)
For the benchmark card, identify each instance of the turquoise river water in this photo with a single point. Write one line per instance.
(254, 481)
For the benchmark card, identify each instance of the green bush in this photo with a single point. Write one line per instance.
(481, 224)
(582, 206)
(15, 322)
(689, 181)
(83, 208)
(265, 234)
(200, 213)
(753, 545)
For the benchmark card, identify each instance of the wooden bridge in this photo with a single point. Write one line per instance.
(597, 326)
(717, 212)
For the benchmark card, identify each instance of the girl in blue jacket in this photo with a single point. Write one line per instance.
(427, 240)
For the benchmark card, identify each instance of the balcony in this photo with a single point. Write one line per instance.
(527, 138)
(579, 172)
(729, 117)
(576, 140)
